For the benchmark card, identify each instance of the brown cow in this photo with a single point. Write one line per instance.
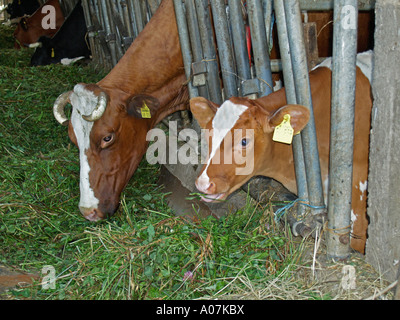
(30, 29)
(274, 159)
(110, 119)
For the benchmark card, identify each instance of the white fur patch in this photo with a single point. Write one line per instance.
(363, 188)
(364, 62)
(224, 120)
(83, 102)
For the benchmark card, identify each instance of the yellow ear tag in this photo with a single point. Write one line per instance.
(145, 111)
(284, 131)
(52, 52)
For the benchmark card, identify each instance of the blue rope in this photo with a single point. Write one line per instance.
(281, 211)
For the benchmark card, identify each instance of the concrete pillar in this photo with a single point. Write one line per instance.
(383, 244)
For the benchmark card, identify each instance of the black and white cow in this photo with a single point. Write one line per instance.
(19, 8)
(69, 41)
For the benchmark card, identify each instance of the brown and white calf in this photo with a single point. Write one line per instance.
(274, 159)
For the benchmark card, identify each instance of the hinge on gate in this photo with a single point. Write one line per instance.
(199, 71)
(250, 88)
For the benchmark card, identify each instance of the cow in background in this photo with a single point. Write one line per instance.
(30, 29)
(20, 8)
(68, 42)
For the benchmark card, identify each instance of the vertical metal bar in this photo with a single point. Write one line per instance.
(303, 95)
(90, 29)
(224, 48)
(110, 37)
(197, 50)
(290, 90)
(342, 127)
(209, 51)
(185, 44)
(239, 40)
(114, 37)
(125, 13)
(132, 18)
(138, 16)
(260, 47)
(268, 13)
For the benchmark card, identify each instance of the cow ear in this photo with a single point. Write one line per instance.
(203, 110)
(299, 116)
(142, 106)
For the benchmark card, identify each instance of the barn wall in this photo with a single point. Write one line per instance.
(383, 245)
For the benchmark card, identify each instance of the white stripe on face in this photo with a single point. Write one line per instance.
(83, 102)
(224, 120)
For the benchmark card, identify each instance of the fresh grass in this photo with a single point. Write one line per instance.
(144, 251)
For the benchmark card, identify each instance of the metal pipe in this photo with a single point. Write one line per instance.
(301, 179)
(224, 48)
(197, 50)
(268, 15)
(321, 5)
(209, 51)
(342, 128)
(138, 16)
(110, 37)
(125, 14)
(239, 41)
(185, 44)
(260, 47)
(303, 95)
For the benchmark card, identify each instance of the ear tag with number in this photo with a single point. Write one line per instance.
(145, 111)
(284, 131)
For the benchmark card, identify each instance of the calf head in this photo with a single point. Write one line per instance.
(108, 130)
(240, 145)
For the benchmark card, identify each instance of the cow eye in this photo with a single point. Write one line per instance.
(107, 140)
(244, 142)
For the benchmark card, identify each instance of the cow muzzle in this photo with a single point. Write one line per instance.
(209, 188)
(93, 214)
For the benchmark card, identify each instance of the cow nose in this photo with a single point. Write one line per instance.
(208, 188)
(92, 214)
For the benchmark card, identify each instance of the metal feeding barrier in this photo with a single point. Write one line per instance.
(113, 25)
(202, 49)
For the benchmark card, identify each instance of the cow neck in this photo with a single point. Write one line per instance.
(278, 160)
(153, 64)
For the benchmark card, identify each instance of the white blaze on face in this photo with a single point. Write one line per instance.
(83, 102)
(224, 120)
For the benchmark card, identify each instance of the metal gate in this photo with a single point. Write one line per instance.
(205, 52)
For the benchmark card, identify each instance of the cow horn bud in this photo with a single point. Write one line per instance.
(58, 108)
(99, 109)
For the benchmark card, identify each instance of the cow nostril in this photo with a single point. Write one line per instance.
(211, 187)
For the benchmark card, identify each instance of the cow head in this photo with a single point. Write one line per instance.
(239, 139)
(107, 128)
(45, 52)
